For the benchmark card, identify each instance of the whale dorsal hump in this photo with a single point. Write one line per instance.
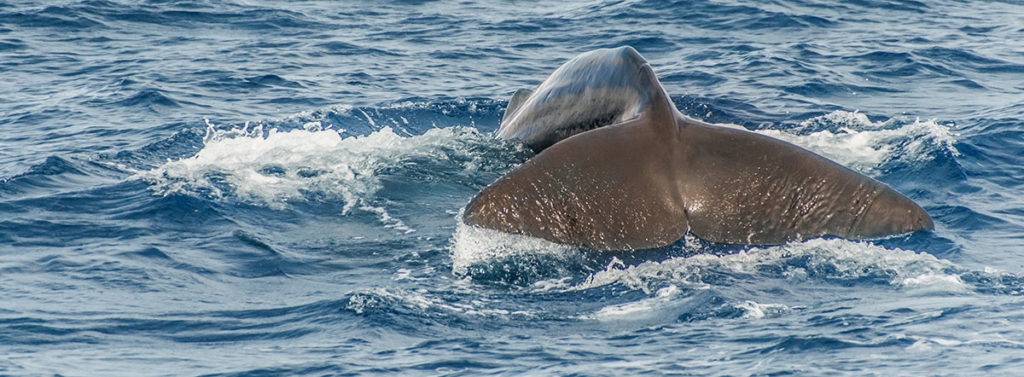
(515, 103)
(595, 89)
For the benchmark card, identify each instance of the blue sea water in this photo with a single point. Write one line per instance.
(250, 188)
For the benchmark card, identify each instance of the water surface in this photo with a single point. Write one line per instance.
(267, 188)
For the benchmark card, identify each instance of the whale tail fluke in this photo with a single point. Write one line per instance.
(605, 189)
(619, 167)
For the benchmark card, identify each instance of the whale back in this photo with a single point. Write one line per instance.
(595, 89)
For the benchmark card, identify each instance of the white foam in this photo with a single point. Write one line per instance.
(924, 343)
(274, 168)
(833, 258)
(930, 282)
(474, 245)
(642, 309)
(426, 303)
(864, 145)
(755, 310)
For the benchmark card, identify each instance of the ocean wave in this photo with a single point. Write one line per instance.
(829, 260)
(853, 140)
(493, 256)
(417, 311)
(273, 168)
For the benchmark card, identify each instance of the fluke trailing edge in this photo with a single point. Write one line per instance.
(619, 167)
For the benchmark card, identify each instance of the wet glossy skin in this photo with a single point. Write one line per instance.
(639, 174)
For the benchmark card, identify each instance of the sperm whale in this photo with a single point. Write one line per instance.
(619, 167)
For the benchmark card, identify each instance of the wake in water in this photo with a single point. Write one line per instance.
(674, 279)
(125, 225)
(371, 175)
(442, 275)
(273, 168)
(313, 163)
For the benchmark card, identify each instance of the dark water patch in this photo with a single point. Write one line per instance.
(897, 5)
(151, 99)
(277, 324)
(272, 80)
(884, 57)
(228, 15)
(969, 60)
(181, 213)
(312, 100)
(363, 252)
(242, 336)
(323, 311)
(408, 116)
(103, 274)
(253, 241)
(149, 252)
(523, 26)
(693, 78)
(952, 55)
(525, 269)
(183, 143)
(995, 284)
(772, 20)
(967, 84)
(941, 162)
(943, 314)
(888, 65)
(459, 55)
(55, 17)
(821, 88)
(156, 257)
(58, 175)
(750, 18)
(54, 165)
(265, 261)
(11, 45)
(310, 369)
(722, 110)
(36, 332)
(44, 116)
(800, 344)
(809, 50)
(271, 44)
(456, 365)
(644, 43)
(345, 48)
(63, 233)
(995, 152)
(977, 30)
(359, 78)
(854, 322)
(965, 218)
(100, 199)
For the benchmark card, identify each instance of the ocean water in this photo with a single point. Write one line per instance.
(256, 188)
